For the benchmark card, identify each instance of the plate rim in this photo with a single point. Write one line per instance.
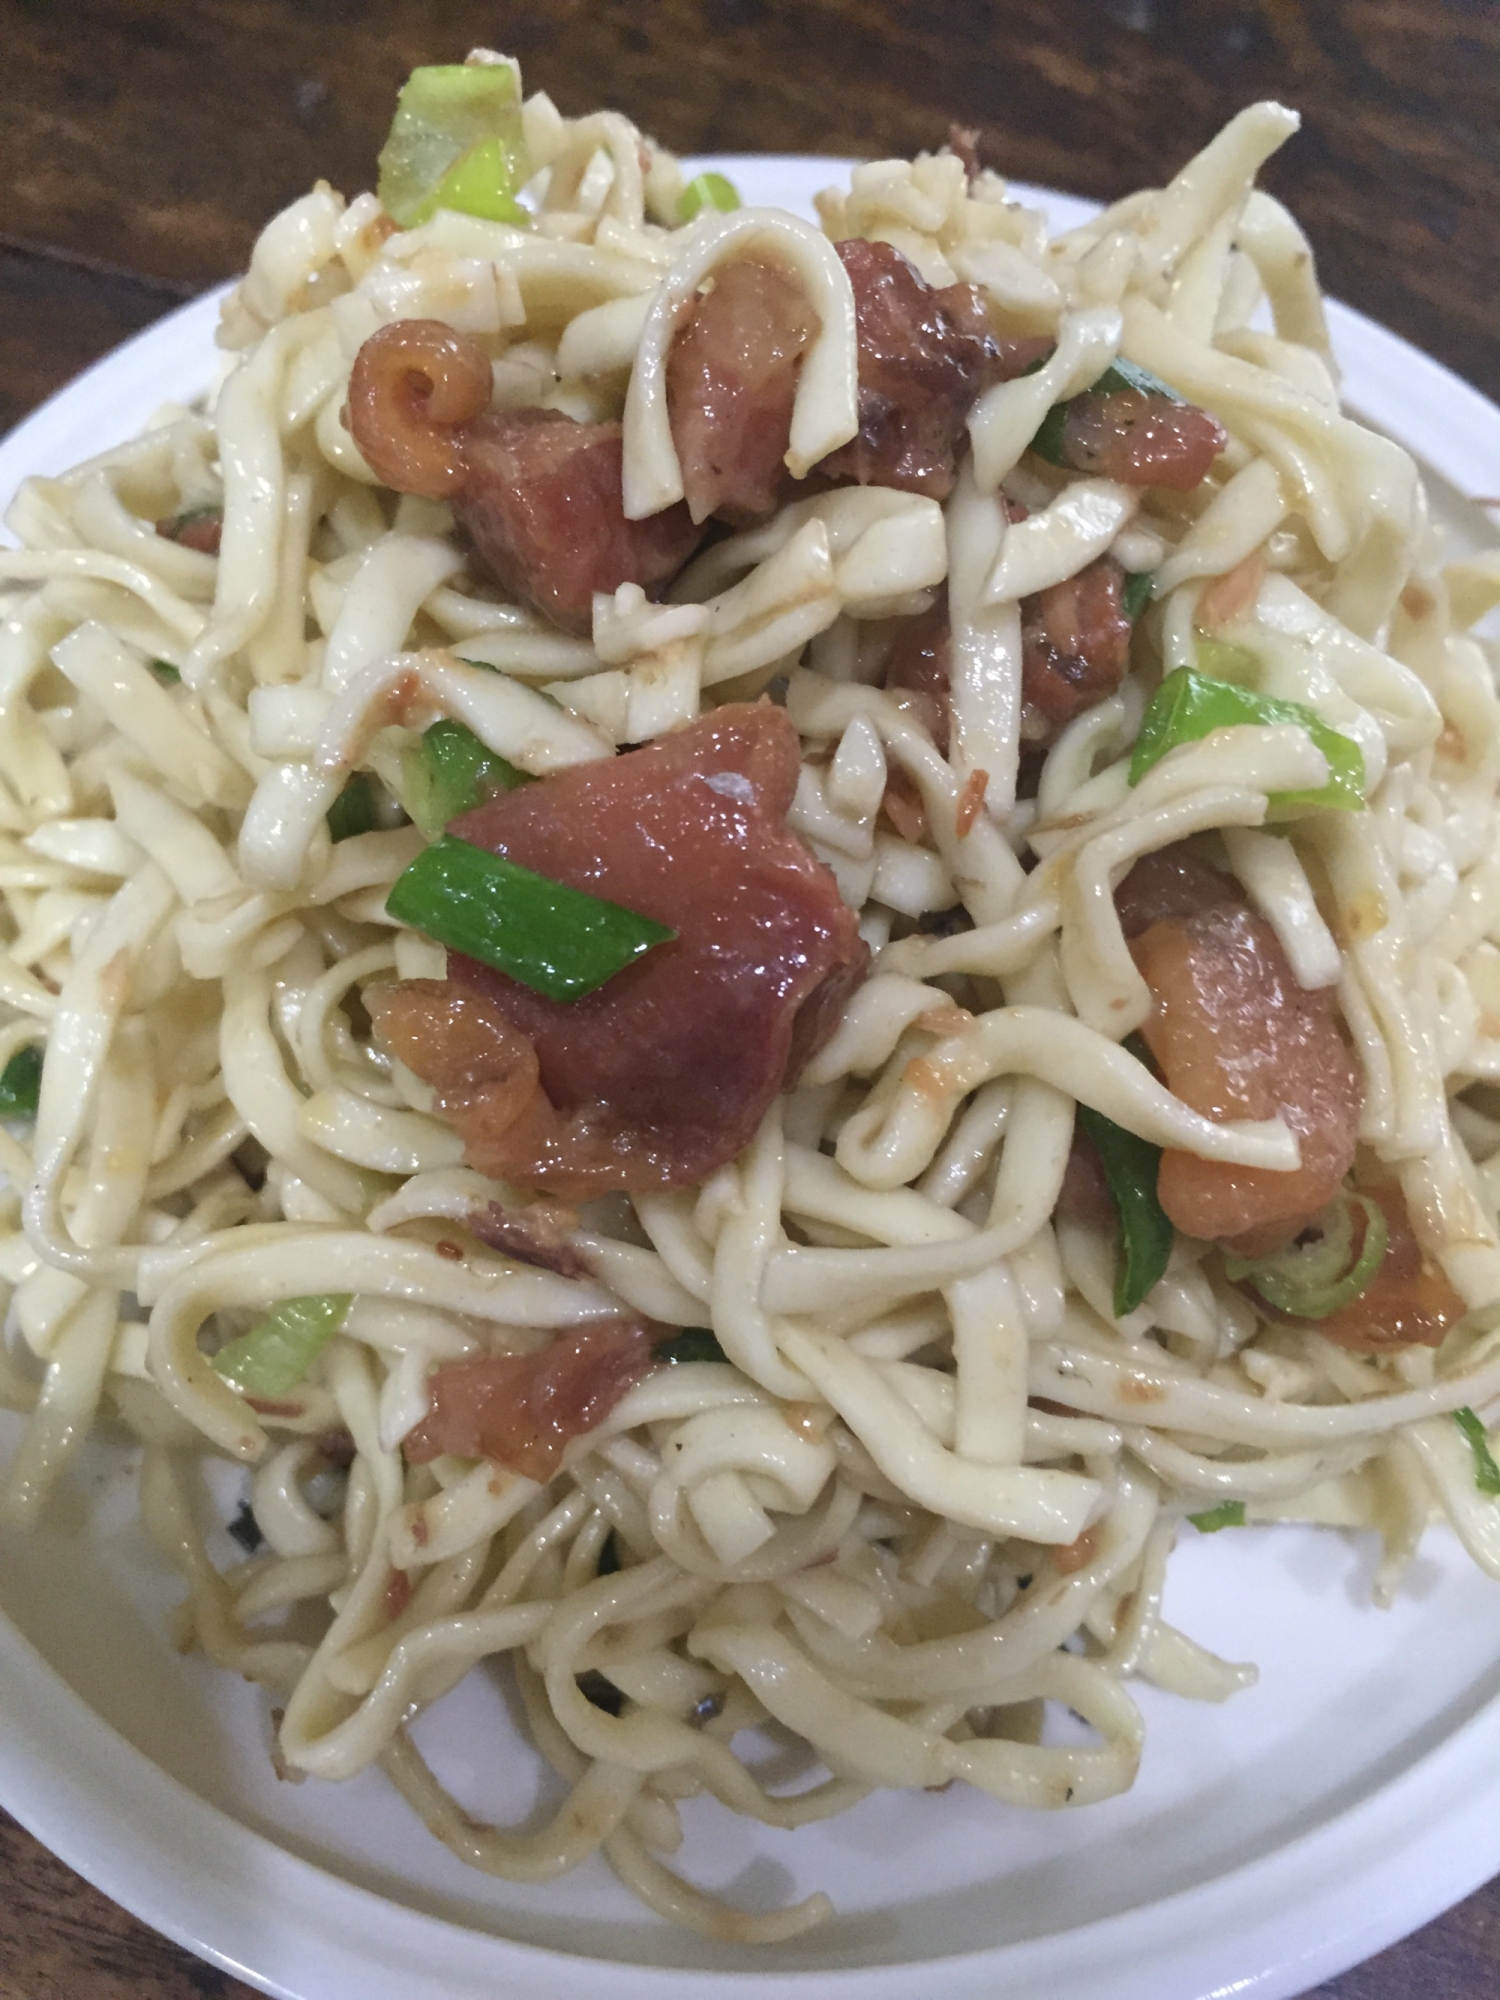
(1355, 1882)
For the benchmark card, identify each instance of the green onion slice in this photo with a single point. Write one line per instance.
(1120, 378)
(1130, 1168)
(275, 1354)
(1323, 1276)
(166, 673)
(21, 1083)
(450, 772)
(1136, 593)
(690, 1343)
(1188, 706)
(555, 939)
(707, 191)
(1486, 1472)
(353, 811)
(1230, 1515)
(455, 142)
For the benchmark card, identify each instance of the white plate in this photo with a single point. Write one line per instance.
(1351, 1795)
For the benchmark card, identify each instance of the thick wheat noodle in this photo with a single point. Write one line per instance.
(930, 1418)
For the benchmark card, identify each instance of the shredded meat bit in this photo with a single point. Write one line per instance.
(539, 1234)
(1235, 1036)
(964, 144)
(1075, 648)
(732, 373)
(1141, 439)
(924, 355)
(1085, 1192)
(523, 1410)
(201, 528)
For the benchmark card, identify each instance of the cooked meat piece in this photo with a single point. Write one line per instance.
(1141, 439)
(1235, 1036)
(523, 1410)
(663, 1073)
(1075, 640)
(541, 501)
(924, 355)
(731, 380)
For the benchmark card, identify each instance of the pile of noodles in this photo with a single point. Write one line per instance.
(937, 1488)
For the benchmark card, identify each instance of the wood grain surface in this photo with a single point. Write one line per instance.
(143, 142)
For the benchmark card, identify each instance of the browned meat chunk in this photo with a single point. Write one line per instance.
(541, 501)
(924, 355)
(1141, 439)
(1075, 647)
(731, 380)
(664, 1072)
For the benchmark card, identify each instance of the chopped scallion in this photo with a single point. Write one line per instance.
(690, 1343)
(1230, 1515)
(1188, 706)
(455, 142)
(1315, 1279)
(353, 811)
(166, 673)
(1130, 1168)
(1135, 594)
(276, 1353)
(1486, 1472)
(21, 1083)
(449, 772)
(707, 191)
(558, 940)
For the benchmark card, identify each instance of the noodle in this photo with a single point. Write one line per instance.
(933, 1481)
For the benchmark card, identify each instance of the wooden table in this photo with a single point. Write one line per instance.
(142, 143)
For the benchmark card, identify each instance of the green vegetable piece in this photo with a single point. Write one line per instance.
(691, 1343)
(1230, 1515)
(479, 183)
(455, 142)
(707, 191)
(450, 772)
(1188, 706)
(353, 811)
(1136, 593)
(1324, 1276)
(1486, 1472)
(1120, 378)
(166, 673)
(21, 1083)
(557, 940)
(1130, 1166)
(275, 1354)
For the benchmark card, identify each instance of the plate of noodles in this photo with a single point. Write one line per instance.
(751, 1014)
